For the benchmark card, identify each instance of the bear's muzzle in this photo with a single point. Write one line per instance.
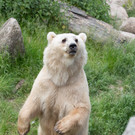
(72, 49)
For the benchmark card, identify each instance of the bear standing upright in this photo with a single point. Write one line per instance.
(60, 94)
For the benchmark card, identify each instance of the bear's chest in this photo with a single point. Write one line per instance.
(58, 103)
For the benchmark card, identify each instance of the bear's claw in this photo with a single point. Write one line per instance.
(64, 125)
(57, 130)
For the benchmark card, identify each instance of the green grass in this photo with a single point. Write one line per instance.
(110, 71)
(110, 112)
(131, 13)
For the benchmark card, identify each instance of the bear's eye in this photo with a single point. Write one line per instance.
(64, 40)
(76, 40)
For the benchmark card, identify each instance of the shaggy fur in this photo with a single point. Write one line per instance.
(60, 95)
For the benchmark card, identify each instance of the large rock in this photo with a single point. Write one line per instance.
(121, 2)
(118, 12)
(118, 2)
(129, 25)
(126, 36)
(11, 39)
(130, 129)
(128, 4)
(97, 30)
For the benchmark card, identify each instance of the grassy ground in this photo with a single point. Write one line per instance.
(110, 72)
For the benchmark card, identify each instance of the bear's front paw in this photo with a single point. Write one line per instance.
(23, 130)
(64, 125)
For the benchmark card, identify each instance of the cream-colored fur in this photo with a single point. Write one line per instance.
(60, 95)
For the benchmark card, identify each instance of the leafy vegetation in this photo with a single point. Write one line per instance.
(131, 13)
(95, 8)
(45, 11)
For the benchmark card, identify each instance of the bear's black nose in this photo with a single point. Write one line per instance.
(72, 49)
(72, 46)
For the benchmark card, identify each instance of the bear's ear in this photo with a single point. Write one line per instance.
(83, 36)
(50, 36)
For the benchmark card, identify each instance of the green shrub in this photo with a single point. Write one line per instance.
(31, 10)
(131, 13)
(95, 8)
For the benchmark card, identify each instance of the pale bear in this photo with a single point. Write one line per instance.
(60, 94)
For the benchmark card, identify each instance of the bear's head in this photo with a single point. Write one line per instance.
(65, 53)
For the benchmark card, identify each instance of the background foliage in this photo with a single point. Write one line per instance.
(95, 8)
(46, 11)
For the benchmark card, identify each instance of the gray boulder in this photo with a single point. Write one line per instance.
(128, 4)
(118, 12)
(95, 29)
(126, 36)
(118, 2)
(129, 25)
(11, 39)
(130, 129)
